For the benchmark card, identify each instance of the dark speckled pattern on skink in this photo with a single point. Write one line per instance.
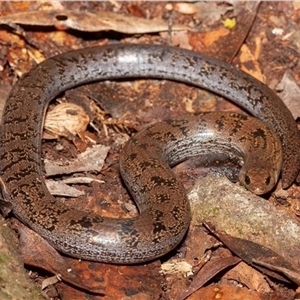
(161, 199)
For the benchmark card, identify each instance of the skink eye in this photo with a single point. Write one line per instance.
(247, 179)
(268, 180)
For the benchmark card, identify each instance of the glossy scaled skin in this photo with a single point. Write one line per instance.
(162, 223)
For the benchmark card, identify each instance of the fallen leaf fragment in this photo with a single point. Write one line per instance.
(209, 270)
(289, 272)
(59, 188)
(90, 160)
(249, 64)
(117, 282)
(89, 22)
(50, 281)
(4, 92)
(62, 188)
(81, 180)
(210, 12)
(38, 253)
(219, 47)
(250, 277)
(226, 292)
(209, 38)
(289, 92)
(250, 252)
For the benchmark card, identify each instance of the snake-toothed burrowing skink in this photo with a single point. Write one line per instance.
(164, 212)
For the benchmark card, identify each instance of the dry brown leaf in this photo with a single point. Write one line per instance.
(212, 36)
(211, 269)
(249, 64)
(249, 277)
(289, 93)
(90, 22)
(141, 282)
(179, 38)
(226, 292)
(38, 253)
(250, 252)
(90, 160)
(210, 12)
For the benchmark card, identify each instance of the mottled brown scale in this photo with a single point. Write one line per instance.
(164, 210)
